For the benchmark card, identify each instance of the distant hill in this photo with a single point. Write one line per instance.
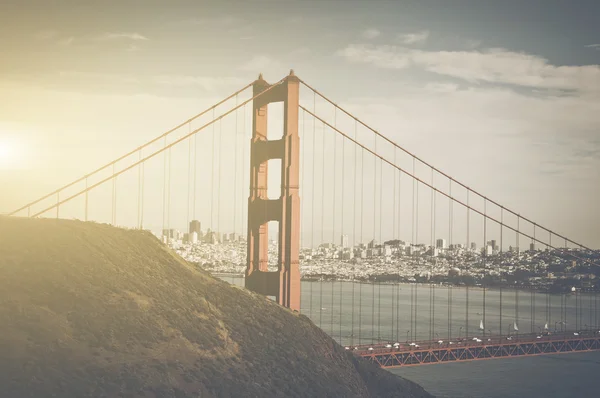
(89, 310)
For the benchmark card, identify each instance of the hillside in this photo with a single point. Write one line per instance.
(91, 310)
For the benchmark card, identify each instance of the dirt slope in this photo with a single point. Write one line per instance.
(91, 310)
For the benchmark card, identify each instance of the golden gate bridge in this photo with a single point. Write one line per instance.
(317, 171)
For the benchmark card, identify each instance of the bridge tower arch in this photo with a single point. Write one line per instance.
(284, 283)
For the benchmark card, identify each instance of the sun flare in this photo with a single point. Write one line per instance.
(8, 155)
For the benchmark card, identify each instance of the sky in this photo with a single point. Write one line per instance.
(504, 96)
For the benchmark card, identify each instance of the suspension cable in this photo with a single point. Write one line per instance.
(164, 135)
(177, 141)
(425, 163)
(443, 193)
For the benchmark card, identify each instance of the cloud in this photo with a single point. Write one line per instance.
(414, 38)
(258, 63)
(594, 46)
(499, 66)
(370, 33)
(46, 34)
(66, 41)
(117, 36)
(472, 43)
(205, 82)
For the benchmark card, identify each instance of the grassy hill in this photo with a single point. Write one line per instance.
(91, 310)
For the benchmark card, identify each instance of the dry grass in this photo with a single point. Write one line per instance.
(91, 310)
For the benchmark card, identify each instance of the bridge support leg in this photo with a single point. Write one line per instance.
(284, 283)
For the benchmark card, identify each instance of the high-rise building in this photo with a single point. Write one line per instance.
(344, 241)
(195, 227)
(473, 246)
(488, 250)
(532, 246)
(440, 244)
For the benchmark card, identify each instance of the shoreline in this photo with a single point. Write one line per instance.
(471, 287)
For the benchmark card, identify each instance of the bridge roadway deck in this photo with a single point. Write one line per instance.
(490, 347)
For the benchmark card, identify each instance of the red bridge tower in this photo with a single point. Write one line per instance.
(284, 283)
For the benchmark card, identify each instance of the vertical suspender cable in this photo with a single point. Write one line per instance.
(139, 198)
(143, 165)
(196, 174)
(417, 241)
(549, 297)
(484, 258)
(398, 254)
(235, 169)
(322, 220)
(86, 200)
(394, 237)
(450, 218)
(302, 203)
(188, 182)
(354, 195)
(219, 231)
(312, 207)
(342, 226)
(373, 277)
(244, 152)
(501, 255)
(212, 175)
(515, 327)
(169, 191)
(431, 283)
(114, 222)
(334, 136)
(467, 285)
(362, 198)
(413, 250)
(382, 247)
(532, 296)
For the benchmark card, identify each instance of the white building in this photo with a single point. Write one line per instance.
(344, 241)
(440, 244)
